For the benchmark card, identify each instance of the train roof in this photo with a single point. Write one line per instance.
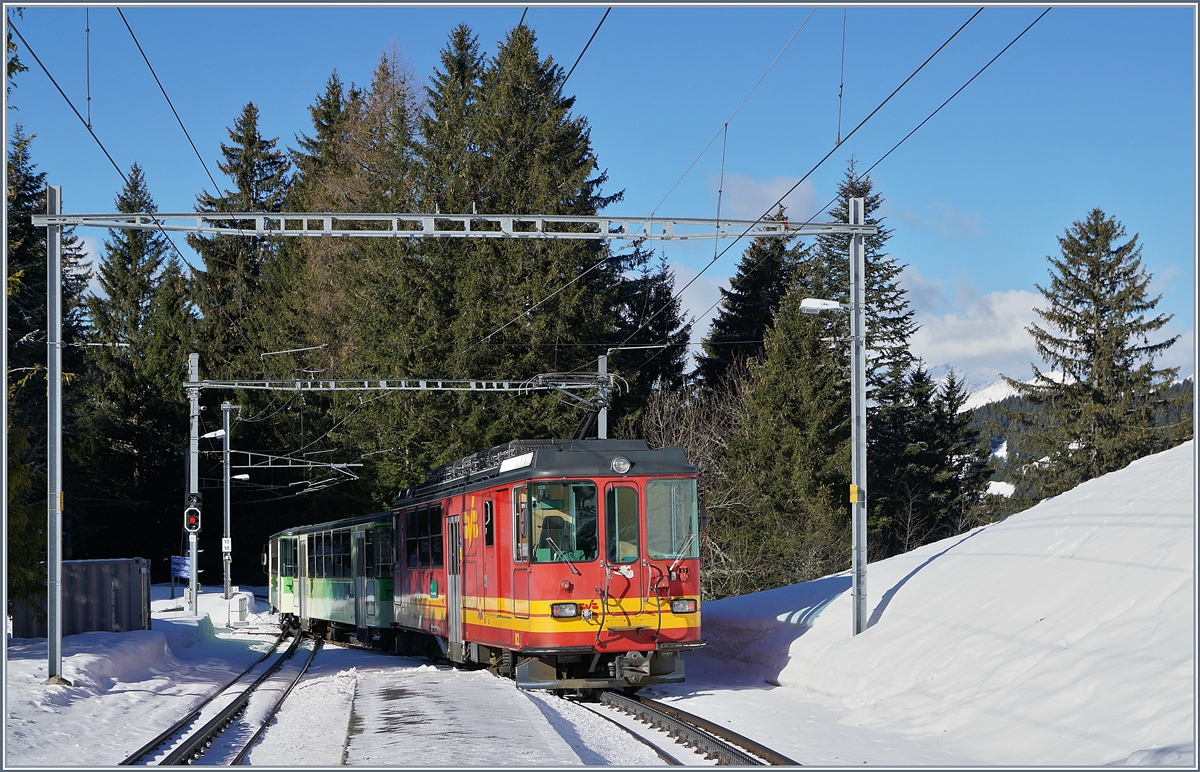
(300, 530)
(521, 459)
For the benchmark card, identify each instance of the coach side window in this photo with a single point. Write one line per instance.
(435, 535)
(489, 524)
(312, 555)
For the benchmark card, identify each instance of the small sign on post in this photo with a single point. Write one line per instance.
(226, 544)
(180, 566)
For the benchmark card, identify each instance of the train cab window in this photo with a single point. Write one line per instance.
(489, 524)
(563, 520)
(671, 519)
(621, 523)
(520, 531)
(273, 550)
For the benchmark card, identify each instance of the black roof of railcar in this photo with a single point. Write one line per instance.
(546, 458)
(329, 525)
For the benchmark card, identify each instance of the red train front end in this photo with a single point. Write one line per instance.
(567, 564)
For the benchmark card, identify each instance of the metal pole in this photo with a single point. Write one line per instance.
(226, 542)
(858, 415)
(54, 491)
(602, 418)
(193, 467)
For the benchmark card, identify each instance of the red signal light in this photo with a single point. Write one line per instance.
(191, 520)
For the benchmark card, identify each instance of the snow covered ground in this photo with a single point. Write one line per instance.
(1064, 635)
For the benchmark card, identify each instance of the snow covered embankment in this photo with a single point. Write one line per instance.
(1062, 635)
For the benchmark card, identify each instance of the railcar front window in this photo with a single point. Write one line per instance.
(672, 528)
(563, 519)
(621, 521)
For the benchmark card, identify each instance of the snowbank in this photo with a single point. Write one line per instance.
(1062, 635)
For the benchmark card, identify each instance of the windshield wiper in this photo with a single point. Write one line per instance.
(563, 556)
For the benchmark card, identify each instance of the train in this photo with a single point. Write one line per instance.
(568, 565)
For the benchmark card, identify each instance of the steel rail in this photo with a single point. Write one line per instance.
(194, 743)
(758, 749)
(728, 748)
(137, 755)
(275, 709)
(662, 753)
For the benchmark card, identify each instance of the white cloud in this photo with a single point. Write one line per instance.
(948, 223)
(982, 336)
(745, 198)
(980, 339)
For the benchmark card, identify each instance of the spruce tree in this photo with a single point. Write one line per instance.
(787, 463)
(765, 274)
(136, 413)
(1098, 334)
(27, 373)
(647, 298)
(228, 292)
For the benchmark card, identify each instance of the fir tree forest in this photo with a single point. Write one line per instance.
(764, 410)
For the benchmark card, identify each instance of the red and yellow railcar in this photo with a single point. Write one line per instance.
(568, 564)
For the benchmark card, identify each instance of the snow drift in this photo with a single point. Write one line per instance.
(1061, 635)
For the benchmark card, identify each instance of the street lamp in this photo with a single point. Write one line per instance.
(226, 541)
(858, 409)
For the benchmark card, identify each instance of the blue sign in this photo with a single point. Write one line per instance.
(181, 567)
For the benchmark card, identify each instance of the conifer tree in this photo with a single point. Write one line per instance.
(765, 274)
(228, 291)
(648, 299)
(136, 414)
(1098, 333)
(26, 341)
(787, 462)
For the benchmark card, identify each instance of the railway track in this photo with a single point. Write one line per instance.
(702, 736)
(206, 730)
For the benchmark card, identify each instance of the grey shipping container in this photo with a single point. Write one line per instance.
(97, 596)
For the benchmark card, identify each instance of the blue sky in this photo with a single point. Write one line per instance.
(1094, 107)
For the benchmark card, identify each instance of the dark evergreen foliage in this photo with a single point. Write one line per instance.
(136, 410)
(1103, 390)
(765, 274)
(27, 374)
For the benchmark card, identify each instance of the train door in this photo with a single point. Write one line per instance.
(358, 571)
(274, 590)
(627, 571)
(454, 586)
(302, 568)
(519, 588)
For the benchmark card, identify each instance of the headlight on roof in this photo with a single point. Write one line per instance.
(621, 465)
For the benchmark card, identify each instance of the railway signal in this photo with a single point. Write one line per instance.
(191, 514)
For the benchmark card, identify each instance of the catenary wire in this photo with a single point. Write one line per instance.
(175, 112)
(805, 177)
(734, 113)
(542, 114)
(901, 142)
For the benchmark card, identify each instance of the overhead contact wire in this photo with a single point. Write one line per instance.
(808, 174)
(918, 126)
